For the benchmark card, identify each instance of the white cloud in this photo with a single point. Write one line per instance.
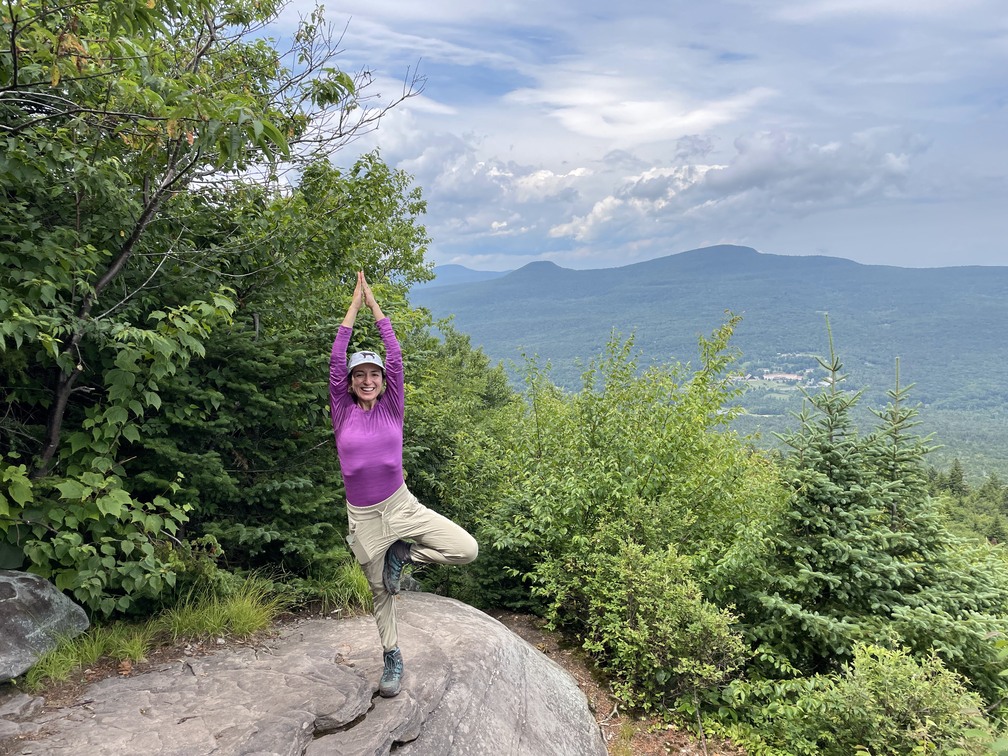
(543, 183)
(595, 134)
(582, 228)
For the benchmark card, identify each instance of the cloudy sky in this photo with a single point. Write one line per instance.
(597, 134)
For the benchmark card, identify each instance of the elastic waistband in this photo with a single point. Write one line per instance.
(400, 495)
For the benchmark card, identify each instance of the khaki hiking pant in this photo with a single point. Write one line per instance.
(436, 540)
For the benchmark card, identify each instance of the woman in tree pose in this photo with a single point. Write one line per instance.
(388, 527)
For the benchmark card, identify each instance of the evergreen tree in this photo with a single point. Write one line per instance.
(957, 485)
(246, 431)
(862, 555)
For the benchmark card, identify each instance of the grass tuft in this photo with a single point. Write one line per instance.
(344, 588)
(252, 606)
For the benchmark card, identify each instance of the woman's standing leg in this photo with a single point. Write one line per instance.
(369, 537)
(384, 603)
(385, 617)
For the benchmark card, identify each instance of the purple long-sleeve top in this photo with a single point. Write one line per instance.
(369, 443)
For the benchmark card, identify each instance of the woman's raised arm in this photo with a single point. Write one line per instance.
(357, 301)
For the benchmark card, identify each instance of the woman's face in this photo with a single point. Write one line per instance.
(366, 383)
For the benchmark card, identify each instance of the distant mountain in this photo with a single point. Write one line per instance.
(945, 324)
(447, 275)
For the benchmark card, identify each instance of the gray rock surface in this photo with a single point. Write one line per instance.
(471, 687)
(33, 617)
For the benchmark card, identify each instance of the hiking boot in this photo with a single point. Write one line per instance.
(392, 675)
(397, 557)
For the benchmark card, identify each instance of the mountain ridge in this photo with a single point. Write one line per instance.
(452, 270)
(940, 322)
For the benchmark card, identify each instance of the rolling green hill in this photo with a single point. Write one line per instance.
(944, 324)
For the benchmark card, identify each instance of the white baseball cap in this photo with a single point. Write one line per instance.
(364, 358)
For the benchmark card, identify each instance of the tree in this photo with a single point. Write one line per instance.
(861, 555)
(957, 485)
(247, 425)
(109, 111)
(127, 128)
(613, 503)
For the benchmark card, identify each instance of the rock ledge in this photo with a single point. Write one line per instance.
(471, 687)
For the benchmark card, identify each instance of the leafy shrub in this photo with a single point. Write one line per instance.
(648, 624)
(648, 448)
(602, 503)
(92, 538)
(884, 702)
(196, 565)
(890, 702)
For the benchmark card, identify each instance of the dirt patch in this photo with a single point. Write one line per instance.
(624, 734)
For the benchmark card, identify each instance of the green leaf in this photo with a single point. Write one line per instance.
(116, 415)
(20, 490)
(71, 489)
(113, 503)
(66, 579)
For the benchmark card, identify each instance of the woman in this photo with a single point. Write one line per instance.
(388, 527)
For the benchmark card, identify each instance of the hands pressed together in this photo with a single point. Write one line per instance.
(362, 297)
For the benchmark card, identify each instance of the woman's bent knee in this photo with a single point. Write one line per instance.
(469, 551)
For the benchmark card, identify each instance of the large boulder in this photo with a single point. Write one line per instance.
(34, 616)
(470, 687)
